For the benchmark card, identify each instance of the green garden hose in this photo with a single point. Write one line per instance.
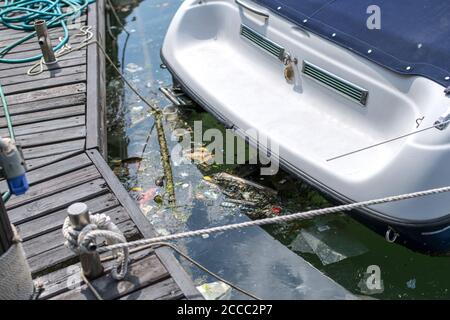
(21, 14)
(7, 194)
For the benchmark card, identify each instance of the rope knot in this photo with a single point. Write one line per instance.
(85, 240)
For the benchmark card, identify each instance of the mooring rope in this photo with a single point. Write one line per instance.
(280, 219)
(101, 226)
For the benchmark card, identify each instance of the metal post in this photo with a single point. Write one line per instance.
(44, 41)
(90, 262)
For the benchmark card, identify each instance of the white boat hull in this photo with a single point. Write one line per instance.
(245, 87)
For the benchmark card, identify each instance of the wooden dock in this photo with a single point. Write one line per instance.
(58, 117)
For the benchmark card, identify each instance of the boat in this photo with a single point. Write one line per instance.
(359, 108)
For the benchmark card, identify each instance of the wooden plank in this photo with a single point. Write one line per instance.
(44, 83)
(58, 281)
(54, 221)
(44, 138)
(178, 273)
(145, 272)
(72, 55)
(54, 149)
(53, 186)
(56, 92)
(47, 74)
(60, 65)
(54, 170)
(33, 164)
(43, 126)
(32, 43)
(46, 104)
(96, 96)
(44, 116)
(163, 290)
(61, 256)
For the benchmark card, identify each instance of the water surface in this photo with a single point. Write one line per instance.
(265, 262)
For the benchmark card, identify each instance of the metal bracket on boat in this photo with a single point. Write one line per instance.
(289, 74)
(447, 91)
(391, 235)
(176, 95)
(287, 59)
(252, 9)
(443, 121)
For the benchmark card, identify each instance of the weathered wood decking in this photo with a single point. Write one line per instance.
(58, 118)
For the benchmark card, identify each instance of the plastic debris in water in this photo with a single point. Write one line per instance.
(228, 204)
(331, 242)
(411, 284)
(136, 189)
(137, 109)
(159, 182)
(158, 199)
(276, 210)
(207, 178)
(300, 245)
(211, 195)
(133, 67)
(205, 236)
(200, 155)
(215, 291)
(162, 232)
(147, 196)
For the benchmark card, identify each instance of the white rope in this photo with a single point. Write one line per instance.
(436, 125)
(85, 31)
(101, 226)
(280, 219)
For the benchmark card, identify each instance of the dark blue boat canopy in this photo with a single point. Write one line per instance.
(406, 36)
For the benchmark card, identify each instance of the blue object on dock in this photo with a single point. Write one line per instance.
(18, 185)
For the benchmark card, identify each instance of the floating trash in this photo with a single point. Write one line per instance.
(300, 245)
(170, 113)
(276, 210)
(215, 291)
(226, 204)
(411, 284)
(330, 242)
(200, 155)
(162, 232)
(136, 109)
(158, 199)
(159, 182)
(184, 174)
(147, 196)
(133, 67)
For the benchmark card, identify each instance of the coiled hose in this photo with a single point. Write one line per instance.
(21, 14)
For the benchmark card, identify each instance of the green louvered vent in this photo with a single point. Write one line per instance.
(335, 83)
(262, 42)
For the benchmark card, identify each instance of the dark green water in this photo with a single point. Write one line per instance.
(405, 275)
